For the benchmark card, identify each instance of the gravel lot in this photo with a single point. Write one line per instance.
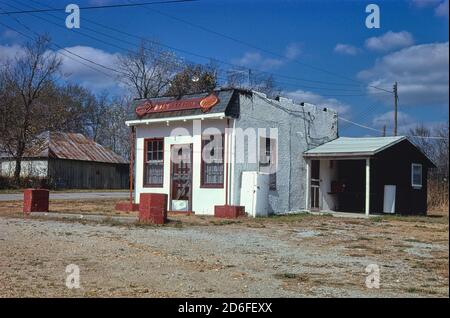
(295, 256)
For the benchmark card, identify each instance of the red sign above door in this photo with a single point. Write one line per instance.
(203, 103)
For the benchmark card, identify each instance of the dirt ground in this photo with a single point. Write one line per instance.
(194, 256)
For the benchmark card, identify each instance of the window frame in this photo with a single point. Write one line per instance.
(203, 164)
(153, 185)
(273, 185)
(416, 186)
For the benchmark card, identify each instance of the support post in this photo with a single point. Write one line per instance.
(132, 144)
(308, 184)
(367, 186)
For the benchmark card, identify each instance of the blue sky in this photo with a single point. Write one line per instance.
(410, 47)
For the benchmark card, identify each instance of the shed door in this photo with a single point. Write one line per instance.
(315, 185)
(389, 198)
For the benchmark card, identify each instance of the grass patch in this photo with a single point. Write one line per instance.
(224, 222)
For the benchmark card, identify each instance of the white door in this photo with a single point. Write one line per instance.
(248, 191)
(389, 199)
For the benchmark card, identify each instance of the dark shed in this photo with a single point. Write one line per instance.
(394, 166)
(372, 175)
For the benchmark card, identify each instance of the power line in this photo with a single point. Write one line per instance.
(98, 7)
(31, 38)
(57, 46)
(161, 44)
(262, 50)
(373, 129)
(193, 54)
(360, 125)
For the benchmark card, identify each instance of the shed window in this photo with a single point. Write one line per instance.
(212, 170)
(416, 175)
(267, 160)
(154, 163)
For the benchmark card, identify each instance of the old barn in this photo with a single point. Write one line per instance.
(71, 161)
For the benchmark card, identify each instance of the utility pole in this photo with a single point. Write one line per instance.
(395, 108)
(384, 131)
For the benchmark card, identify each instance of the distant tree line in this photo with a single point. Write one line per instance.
(434, 143)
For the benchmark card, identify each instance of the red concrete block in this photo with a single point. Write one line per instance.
(35, 200)
(127, 207)
(229, 211)
(153, 208)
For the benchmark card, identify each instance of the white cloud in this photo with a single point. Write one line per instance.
(257, 60)
(9, 52)
(440, 6)
(85, 75)
(293, 50)
(405, 122)
(316, 99)
(10, 34)
(442, 9)
(421, 71)
(390, 41)
(346, 49)
(73, 70)
(388, 119)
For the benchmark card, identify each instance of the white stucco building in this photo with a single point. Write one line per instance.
(235, 130)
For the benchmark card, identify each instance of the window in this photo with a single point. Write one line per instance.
(267, 160)
(212, 171)
(154, 163)
(416, 175)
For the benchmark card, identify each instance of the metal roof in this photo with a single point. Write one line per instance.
(71, 146)
(348, 146)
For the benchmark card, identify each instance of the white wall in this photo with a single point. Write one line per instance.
(327, 174)
(29, 168)
(203, 199)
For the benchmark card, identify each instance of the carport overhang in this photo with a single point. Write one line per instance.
(340, 156)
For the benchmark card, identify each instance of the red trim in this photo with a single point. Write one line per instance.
(148, 185)
(202, 167)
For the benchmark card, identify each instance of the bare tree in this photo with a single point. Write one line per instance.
(115, 134)
(434, 143)
(25, 81)
(193, 79)
(249, 79)
(148, 71)
(265, 84)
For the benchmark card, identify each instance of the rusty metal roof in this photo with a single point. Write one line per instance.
(71, 146)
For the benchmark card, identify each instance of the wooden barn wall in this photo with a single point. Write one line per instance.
(73, 174)
(393, 167)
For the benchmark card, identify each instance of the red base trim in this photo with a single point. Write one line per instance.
(229, 211)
